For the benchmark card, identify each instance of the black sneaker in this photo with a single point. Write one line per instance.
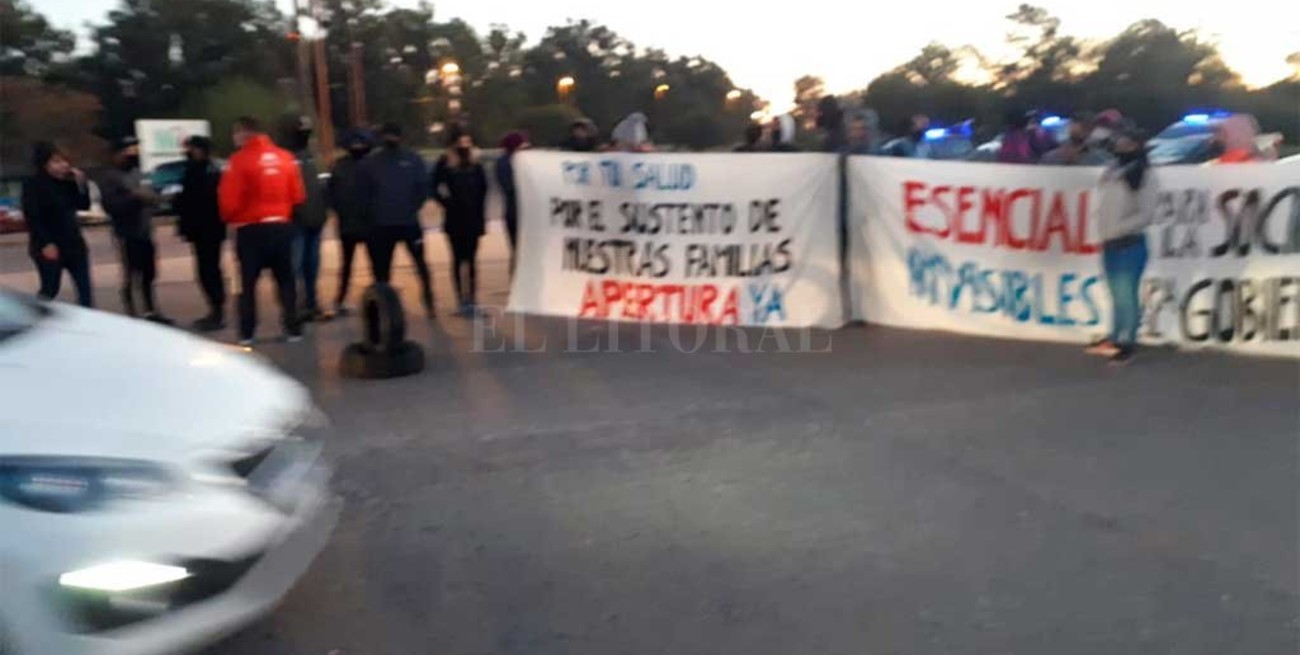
(209, 323)
(159, 319)
(1122, 358)
(309, 315)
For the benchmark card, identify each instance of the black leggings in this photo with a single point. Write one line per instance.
(139, 270)
(464, 255)
(348, 243)
(76, 261)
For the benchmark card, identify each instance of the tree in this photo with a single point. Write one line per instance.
(808, 91)
(547, 125)
(29, 45)
(927, 84)
(152, 54)
(1050, 64)
(1155, 73)
(39, 111)
(230, 99)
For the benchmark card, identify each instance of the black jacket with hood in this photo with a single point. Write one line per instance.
(198, 216)
(50, 209)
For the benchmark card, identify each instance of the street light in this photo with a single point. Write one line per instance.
(450, 69)
(564, 86)
(661, 91)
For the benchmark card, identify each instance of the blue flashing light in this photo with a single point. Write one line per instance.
(935, 133)
(1196, 119)
(1051, 121)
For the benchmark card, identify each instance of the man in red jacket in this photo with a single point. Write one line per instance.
(258, 192)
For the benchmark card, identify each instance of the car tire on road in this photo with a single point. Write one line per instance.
(382, 319)
(362, 361)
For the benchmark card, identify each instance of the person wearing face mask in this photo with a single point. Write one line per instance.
(460, 186)
(393, 184)
(309, 217)
(199, 222)
(1079, 149)
(345, 199)
(51, 198)
(1126, 201)
(130, 204)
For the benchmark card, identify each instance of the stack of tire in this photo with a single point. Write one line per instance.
(385, 352)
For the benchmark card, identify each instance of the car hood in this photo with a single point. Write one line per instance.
(88, 383)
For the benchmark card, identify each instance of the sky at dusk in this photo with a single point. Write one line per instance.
(767, 50)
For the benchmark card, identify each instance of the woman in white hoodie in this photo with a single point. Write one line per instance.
(1126, 200)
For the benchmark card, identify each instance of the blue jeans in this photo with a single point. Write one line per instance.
(306, 264)
(1124, 260)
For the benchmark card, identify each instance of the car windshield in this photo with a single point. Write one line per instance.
(17, 314)
(168, 174)
(1183, 129)
(1192, 149)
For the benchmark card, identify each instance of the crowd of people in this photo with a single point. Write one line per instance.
(274, 199)
(276, 202)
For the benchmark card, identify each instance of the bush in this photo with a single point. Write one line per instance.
(548, 125)
(230, 99)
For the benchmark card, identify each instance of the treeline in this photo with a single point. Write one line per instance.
(218, 59)
(1151, 72)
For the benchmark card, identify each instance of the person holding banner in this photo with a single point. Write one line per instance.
(460, 186)
(1127, 198)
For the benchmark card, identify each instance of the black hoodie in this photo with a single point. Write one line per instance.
(50, 209)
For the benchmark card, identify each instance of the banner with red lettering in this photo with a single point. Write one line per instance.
(1012, 251)
(712, 239)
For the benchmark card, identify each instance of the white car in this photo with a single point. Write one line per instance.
(157, 491)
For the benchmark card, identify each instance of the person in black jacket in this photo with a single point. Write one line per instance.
(510, 144)
(199, 222)
(345, 199)
(309, 217)
(51, 198)
(394, 184)
(130, 204)
(460, 186)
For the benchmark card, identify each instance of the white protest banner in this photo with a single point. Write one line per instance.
(709, 239)
(1011, 251)
(163, 141)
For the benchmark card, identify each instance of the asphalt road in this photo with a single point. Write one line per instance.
(902, 493)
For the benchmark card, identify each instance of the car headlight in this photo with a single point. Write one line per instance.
(72, 484)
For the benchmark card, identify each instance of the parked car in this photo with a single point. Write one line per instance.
(166, 181)
(178, 502)
(1058, 127)
(943, 142)
(11, 217)
(1190, 140)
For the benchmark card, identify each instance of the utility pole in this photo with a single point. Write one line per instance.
(357, 84)
(304, 59)
(324, 120)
